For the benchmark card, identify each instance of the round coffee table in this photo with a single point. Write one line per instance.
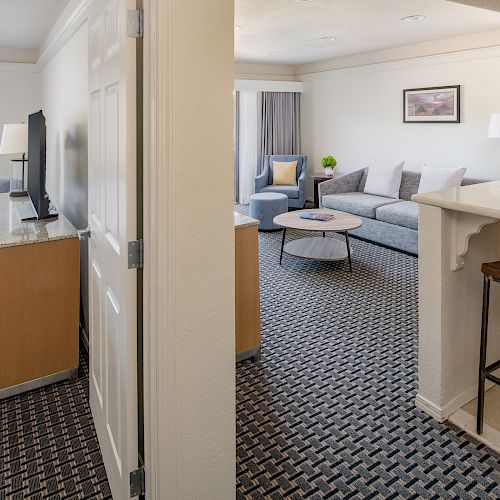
(317, 248)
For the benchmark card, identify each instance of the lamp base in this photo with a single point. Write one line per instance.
(18, 194)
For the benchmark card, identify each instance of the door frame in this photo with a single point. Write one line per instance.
(158, 198)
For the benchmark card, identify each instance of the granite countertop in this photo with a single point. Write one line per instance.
(241, 220)
(478, 199)
(14, 232)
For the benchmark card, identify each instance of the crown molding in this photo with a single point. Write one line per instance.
(12, 55)
(414, 62)
(72, 18)
(18, 68)
(480, 4)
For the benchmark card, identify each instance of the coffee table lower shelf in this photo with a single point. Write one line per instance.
(317, 248)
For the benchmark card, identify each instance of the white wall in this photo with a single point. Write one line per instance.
(356, 114)
(64, 85)
(19, 96)
(64, 102)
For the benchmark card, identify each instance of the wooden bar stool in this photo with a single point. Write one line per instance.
(491, 272)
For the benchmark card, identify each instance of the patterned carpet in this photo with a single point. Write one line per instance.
(48, 445)
(329, 411)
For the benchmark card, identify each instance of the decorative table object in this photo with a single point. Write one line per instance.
(329, 163)
(15, 141)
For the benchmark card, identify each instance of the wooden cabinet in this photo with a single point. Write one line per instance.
(247, 291)
(39, 303)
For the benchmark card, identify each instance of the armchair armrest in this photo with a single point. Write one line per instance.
(302, 179)
(347, 183)
(261, 180)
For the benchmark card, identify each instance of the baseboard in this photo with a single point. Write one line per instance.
(430, 408)
(31, 385)
(441, 414)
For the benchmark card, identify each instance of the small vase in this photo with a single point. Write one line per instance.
(329, 171)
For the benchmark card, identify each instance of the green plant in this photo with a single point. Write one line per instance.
(329, 162)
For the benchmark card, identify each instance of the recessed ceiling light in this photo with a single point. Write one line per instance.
(413, 19)
(302, 1)
(327, 39)
(237, 28)
(274, 53)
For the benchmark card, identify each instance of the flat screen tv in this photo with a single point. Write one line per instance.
(37, 167)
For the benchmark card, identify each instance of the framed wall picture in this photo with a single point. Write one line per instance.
(432, 105)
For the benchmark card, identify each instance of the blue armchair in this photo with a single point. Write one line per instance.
(4, 184)
(296, 194)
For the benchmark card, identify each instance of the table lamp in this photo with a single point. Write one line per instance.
(494, 130)
(15, 141)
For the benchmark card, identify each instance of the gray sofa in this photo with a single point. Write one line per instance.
(385, 220)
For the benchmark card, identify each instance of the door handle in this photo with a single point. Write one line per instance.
(84, 234)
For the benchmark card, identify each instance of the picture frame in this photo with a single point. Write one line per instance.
(432, 105)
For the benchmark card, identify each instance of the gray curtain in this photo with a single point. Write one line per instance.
(279, 125)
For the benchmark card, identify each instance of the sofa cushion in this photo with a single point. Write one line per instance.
(284, 173)
(290, 191)
(384, 179)
(356, 203)
(437, 179)
(284, 158)
(404, 213)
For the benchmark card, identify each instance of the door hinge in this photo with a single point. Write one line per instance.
(136, 254)
(137, 482)
(135, 23)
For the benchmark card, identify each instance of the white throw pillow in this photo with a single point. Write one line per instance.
(384, 178)
(437, 179)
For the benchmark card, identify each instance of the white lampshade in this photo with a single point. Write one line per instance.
(494, 130)
(14, 139)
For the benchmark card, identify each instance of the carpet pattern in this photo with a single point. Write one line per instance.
(329, 411)
(48, 444)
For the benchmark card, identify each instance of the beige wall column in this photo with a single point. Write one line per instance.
(450, 300)
(189, 241)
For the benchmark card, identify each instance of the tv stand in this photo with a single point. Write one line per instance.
(39, 299)
(28, 214)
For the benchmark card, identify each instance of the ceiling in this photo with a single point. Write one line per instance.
(288, 31)
(24, 24)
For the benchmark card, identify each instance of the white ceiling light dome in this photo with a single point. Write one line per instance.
(415, 18)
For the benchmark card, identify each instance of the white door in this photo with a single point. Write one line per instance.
(112, 221)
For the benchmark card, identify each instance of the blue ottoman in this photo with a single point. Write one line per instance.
(266, 206)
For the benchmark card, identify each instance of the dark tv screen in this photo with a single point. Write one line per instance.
(37, 164)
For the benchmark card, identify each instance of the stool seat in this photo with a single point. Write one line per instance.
(492, 269)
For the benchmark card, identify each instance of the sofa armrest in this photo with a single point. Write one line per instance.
(347, 183)
(261, 180)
